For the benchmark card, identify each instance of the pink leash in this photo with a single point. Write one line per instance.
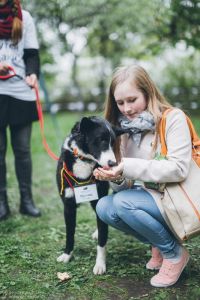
(41, 121)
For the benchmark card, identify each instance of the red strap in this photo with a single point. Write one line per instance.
(41, 121)
(10, 74)
(66, 169)
(69, 182)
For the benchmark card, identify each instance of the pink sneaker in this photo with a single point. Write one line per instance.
(170, 272)
(156, 260)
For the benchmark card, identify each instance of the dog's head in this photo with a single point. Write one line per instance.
(94, 138)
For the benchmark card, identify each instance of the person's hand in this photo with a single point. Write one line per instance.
(31, 80)
(3, 68)
(113, 173)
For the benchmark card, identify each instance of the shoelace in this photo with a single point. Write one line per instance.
(166, 268)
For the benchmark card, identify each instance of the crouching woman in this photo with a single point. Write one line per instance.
(135, 102)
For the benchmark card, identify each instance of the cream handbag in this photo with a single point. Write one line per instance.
(181, 201)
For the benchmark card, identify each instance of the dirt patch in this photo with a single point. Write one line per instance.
(129, 289)
(135, 288)
(126, 288)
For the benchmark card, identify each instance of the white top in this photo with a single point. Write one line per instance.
(138, 162)
(13, 56)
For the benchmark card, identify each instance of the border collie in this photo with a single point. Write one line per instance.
(89, 145)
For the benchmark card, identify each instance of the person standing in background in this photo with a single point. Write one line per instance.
(19, 50)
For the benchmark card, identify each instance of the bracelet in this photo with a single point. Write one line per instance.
(118, 181)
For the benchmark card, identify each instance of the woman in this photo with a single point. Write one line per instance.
(19, 50)
(134, 102)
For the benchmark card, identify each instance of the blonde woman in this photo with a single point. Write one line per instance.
(135, 102)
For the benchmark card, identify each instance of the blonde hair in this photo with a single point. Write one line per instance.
(156, 102)
(17, 27)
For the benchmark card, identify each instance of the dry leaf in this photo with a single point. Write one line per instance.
(63, 276)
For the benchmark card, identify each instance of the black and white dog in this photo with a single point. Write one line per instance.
(89, 145)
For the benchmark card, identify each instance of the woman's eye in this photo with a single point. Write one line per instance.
(132, 100)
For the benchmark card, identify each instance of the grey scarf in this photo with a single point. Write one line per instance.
(143, 123)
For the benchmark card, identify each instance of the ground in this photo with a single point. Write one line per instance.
(29, 247)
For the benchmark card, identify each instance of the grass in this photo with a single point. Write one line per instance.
(29, 247)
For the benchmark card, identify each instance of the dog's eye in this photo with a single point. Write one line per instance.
(104, 140)
(104, 144)
(99, 141)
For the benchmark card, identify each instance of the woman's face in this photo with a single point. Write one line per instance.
(2, 2)
(130, 101)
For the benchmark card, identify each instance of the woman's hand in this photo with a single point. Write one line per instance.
(113, 173)
(31, 80)
(3, 68)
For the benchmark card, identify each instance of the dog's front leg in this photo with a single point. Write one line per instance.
(100, 266)
(70, 223)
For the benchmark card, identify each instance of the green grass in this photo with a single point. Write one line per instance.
(29, 247)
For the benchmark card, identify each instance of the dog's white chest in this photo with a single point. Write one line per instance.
(82, 169)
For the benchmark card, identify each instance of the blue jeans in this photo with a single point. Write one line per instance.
(135, 212)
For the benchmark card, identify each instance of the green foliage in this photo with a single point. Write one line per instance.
(29, 247)
(111, 23)
(180, 82)
(115, 30)
(185, 22)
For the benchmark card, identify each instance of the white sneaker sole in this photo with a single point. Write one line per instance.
(153, 269)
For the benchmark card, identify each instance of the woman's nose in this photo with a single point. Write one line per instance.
(127, 107)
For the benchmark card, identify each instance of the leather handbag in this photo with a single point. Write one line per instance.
(181, 201)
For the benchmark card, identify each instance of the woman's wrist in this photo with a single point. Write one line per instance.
(120, 177)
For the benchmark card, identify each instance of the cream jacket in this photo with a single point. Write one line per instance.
(140, 165)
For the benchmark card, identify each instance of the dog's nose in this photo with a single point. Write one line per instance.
(112, 163)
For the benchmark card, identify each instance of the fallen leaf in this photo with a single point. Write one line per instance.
(63, 276)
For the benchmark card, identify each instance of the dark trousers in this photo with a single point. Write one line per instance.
(20, 141)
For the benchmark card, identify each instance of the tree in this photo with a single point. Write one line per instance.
(115, 29)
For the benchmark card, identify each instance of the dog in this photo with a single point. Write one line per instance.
(89, 145)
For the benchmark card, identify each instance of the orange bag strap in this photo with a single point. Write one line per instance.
(194, 137)
(162, 126)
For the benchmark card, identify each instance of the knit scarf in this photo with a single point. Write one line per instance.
(7, 14)
(143, 123)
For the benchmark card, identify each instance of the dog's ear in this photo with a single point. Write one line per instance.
(119, 131)
(85, 125)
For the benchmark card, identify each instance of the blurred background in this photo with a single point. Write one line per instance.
(82, 41)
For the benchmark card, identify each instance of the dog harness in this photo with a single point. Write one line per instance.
(65, 173)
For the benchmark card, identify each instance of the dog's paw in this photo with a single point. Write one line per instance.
(99, 268)
(64, 257)
(95, 235)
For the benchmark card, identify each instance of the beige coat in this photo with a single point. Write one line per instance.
(138, 162)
